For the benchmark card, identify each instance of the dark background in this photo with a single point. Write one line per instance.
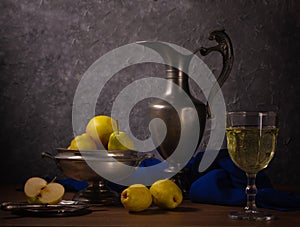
(46, 46)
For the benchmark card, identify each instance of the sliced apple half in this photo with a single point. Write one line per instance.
(38, 191)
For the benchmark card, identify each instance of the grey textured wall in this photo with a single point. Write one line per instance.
(46, 46)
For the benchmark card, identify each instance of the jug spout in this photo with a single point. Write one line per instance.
(178, 63)
(173, 59)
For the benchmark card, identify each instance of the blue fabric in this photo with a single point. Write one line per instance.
(224, 184)
(73, 185)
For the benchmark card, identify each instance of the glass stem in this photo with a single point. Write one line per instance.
(251, 191)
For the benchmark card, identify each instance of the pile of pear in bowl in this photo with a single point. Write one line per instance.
(104, 145)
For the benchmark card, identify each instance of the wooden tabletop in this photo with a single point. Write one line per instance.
(187, 214)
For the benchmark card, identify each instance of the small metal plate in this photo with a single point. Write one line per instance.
(45, 210)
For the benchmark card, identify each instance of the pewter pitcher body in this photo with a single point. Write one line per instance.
(176, 66)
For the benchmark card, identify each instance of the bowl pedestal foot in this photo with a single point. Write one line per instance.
(97, 193)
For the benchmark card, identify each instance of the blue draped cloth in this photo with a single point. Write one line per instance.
(225, 184)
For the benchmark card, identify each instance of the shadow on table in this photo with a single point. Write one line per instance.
(157, 210)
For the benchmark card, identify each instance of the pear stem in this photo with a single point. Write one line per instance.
(118, 130)
(54, 178)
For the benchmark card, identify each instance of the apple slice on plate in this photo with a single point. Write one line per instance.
(38, 191)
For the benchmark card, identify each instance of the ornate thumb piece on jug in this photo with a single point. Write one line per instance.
(225, 48)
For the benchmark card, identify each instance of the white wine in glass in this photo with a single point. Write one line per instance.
(251, 142)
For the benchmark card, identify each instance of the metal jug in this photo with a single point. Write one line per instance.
(176, 75)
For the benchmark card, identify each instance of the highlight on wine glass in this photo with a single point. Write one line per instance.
(251, 142)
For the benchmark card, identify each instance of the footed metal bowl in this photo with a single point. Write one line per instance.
(73, 164)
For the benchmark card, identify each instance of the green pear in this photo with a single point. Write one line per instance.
(136, 197)
(99, 129)
(83, 142)
(120, 141)
(166, 194)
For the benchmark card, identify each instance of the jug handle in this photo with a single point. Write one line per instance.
(225, 48)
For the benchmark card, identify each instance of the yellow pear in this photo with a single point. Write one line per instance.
(120, 141)
(166, 194)
(83, 142)
(136, 197)
(99, 128)
(38, 191)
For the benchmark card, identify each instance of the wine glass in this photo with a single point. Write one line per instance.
(251, 141)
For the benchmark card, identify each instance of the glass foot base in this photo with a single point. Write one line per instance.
(251, 215)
